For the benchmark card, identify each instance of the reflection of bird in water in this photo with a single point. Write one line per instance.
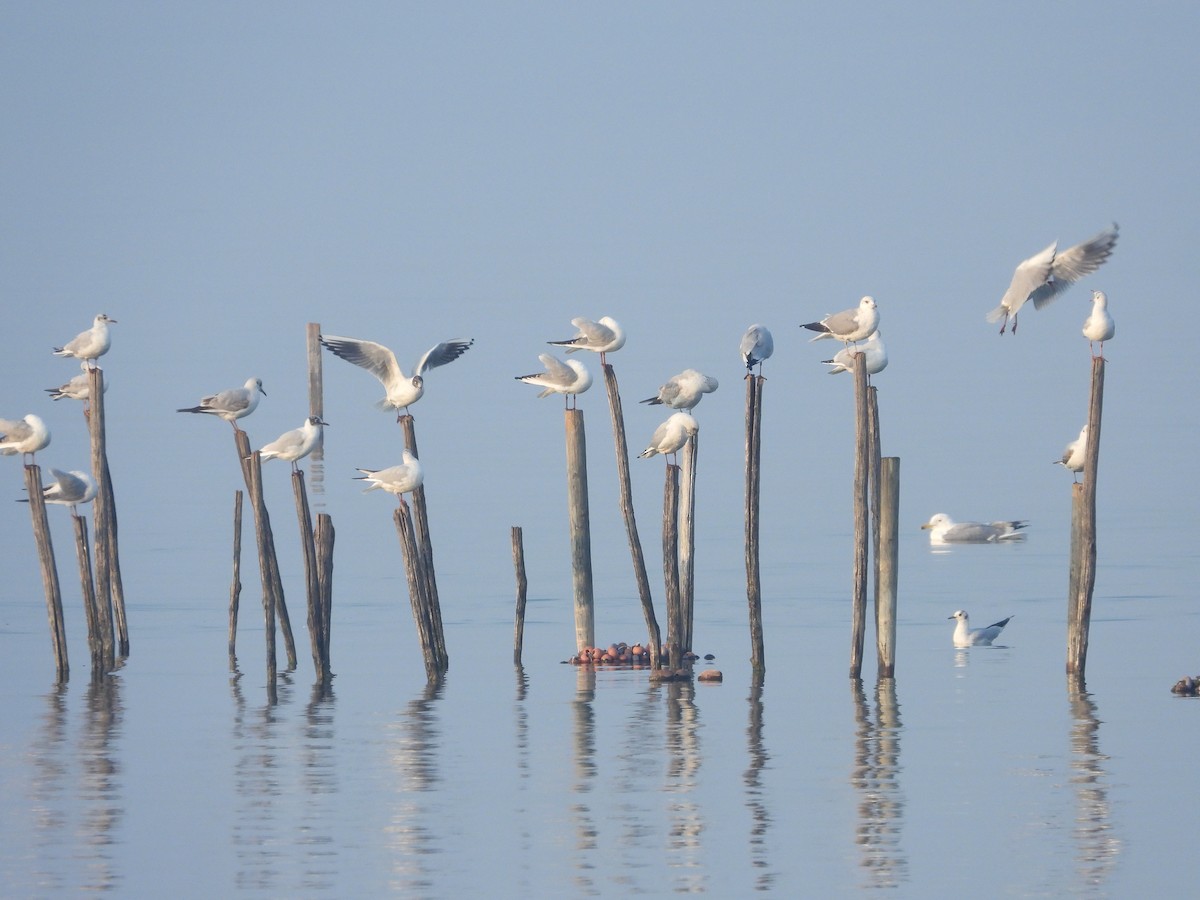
(965, 636)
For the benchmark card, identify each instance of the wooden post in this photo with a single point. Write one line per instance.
(104, 519)
(1076, 550)
(687, 540)
(1077, 640)
(324, 541)
(426, 571)
(41, 537)
(670, 543)
(235, 586)
(91, 613)
(754, 387)
(887, 561)
(518, 552)
(417, 595)
(617, 415)
(861, 531)
(580, 530)
(316, 405)
(252, 470)
(316, 618)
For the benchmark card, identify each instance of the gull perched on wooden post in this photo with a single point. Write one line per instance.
(1074, 454)
(603, 337)
(402, 390)
(872, 350)
(296, 444)
(850, 325)
(91, 344)
(756, 347)
(231, 405)
(684, 391)
(1099, 326)
(69, 489)
(570, 378)
(397, 480)
(26, 436)
(671, 435)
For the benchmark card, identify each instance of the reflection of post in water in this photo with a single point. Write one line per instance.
(1096, 847)
(760, 815)
(875, 775)
(411, 831)
(584, 759)
(46, 792)
(100, 792)
(683, 768)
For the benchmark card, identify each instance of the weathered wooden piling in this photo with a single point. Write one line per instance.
(316, 405)
(518, 554)
(670, 552)
(862, 449)
(687, 540)
(428, 574)
(235, 585)
(91, 613)
(107, 563)
(45, 550)
(308, 547)
(324, 539)
(887, 563)
(1080, 618)
(580, 530)
(754, 389)
(617, 414)
(418, 593)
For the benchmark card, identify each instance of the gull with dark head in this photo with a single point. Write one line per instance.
(570, 378)
(89, 345)
(231, 405)
(683, 391)
(402, 390)
(603, 337)
(966, 636)
(296, 444)
(850, 325)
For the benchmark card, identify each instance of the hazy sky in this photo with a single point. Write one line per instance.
(216, 175)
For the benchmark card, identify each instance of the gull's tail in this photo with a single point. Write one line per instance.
(998, 313)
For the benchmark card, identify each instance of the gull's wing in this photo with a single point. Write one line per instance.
(594, 332)
(445, 352)
(231, 400)
(375, 358)
(1072, 264)
(557, 371)
(14, 430)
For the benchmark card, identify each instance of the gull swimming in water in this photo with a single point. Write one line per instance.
(684, 391)
(671, 435)
(570, 378)
(944, 530)
(402, 390)
(26, 436)
(296, 444)
(1099, 326)
(965, 636)
(75, 389)
(873, 352)
(1074, 454)
(398, 480)
(756, 347)
(850, 325)
(231, 405)
(603, 337)
(91, 344)
(1044, 276)
(68, 489)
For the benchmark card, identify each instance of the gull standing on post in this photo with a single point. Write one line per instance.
(231, 405)
(757, 347)
(603, 337)
(75, 389)
(1099, 326)
(402, 390)
(684, 391)
(398, 480)
(1074, 454)
(850, 325)
(872, 350)
(570, 378)
(91, 344)
(26, 436)
(671, 435)
(1043, 277)
(68, 489)
(965, 636)
(296, 444)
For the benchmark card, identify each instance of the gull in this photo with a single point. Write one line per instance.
(26, 436)
(75, 389)
(944, 530)
(398, 480)
(603, 337)
(402, 390)
(671, 435)
(232, 404)
(757, 346)
(850, 325)
(91, 344)
(68, 489)
(873, 352)
(1044, 276)
(684, 391)
(1099, 326)
(295, 444)
(1074, 453)
(965, 636)
(570, 378)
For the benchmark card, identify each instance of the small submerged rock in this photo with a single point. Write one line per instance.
(710, 675)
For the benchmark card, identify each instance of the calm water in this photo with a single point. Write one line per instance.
(974, 772)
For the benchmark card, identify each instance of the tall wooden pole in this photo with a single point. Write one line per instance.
(754, 387)
(580, 530)
(687, 540)
(41, 537)
(518, 552)
(670, 545)
(316, 618)
(424, 542)
(235, 585)
(104, 519)
(418, 594)
(324, 541)
(861, 530)
(91, 612)
(1077, 640)
(887, 566)
(316, 405)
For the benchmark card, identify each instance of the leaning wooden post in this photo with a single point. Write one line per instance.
(41, 537)
(324, 540)
(861, 530)
(580, 530)
(1077, 640)
(417, 594)
(754, 386)
(309, 549)
(1076, 549)
(670, 543)
(518, 552)
(420, 514)
(687, 540)
(635, 543)
(887, 562)
(103, 518)
(316, 405)
(252, 469)
(91, 612)
(235, 585)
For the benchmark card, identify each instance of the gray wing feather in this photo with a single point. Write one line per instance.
(445, 352)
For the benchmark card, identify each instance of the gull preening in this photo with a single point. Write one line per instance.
(1044, 276)
(966, 636)
(873, 351)
(684, 391)
(756, 347)
(850, 325)
(1074, 454)
(671, 435)
(75, 389)
(91, 344)
(402, 390)
(69, 489)
(26, 436)
(603, 337)
(1099, 326)
(570, 378)
(231, 405)
(296, 444)
(944, 530)
(398, 480)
